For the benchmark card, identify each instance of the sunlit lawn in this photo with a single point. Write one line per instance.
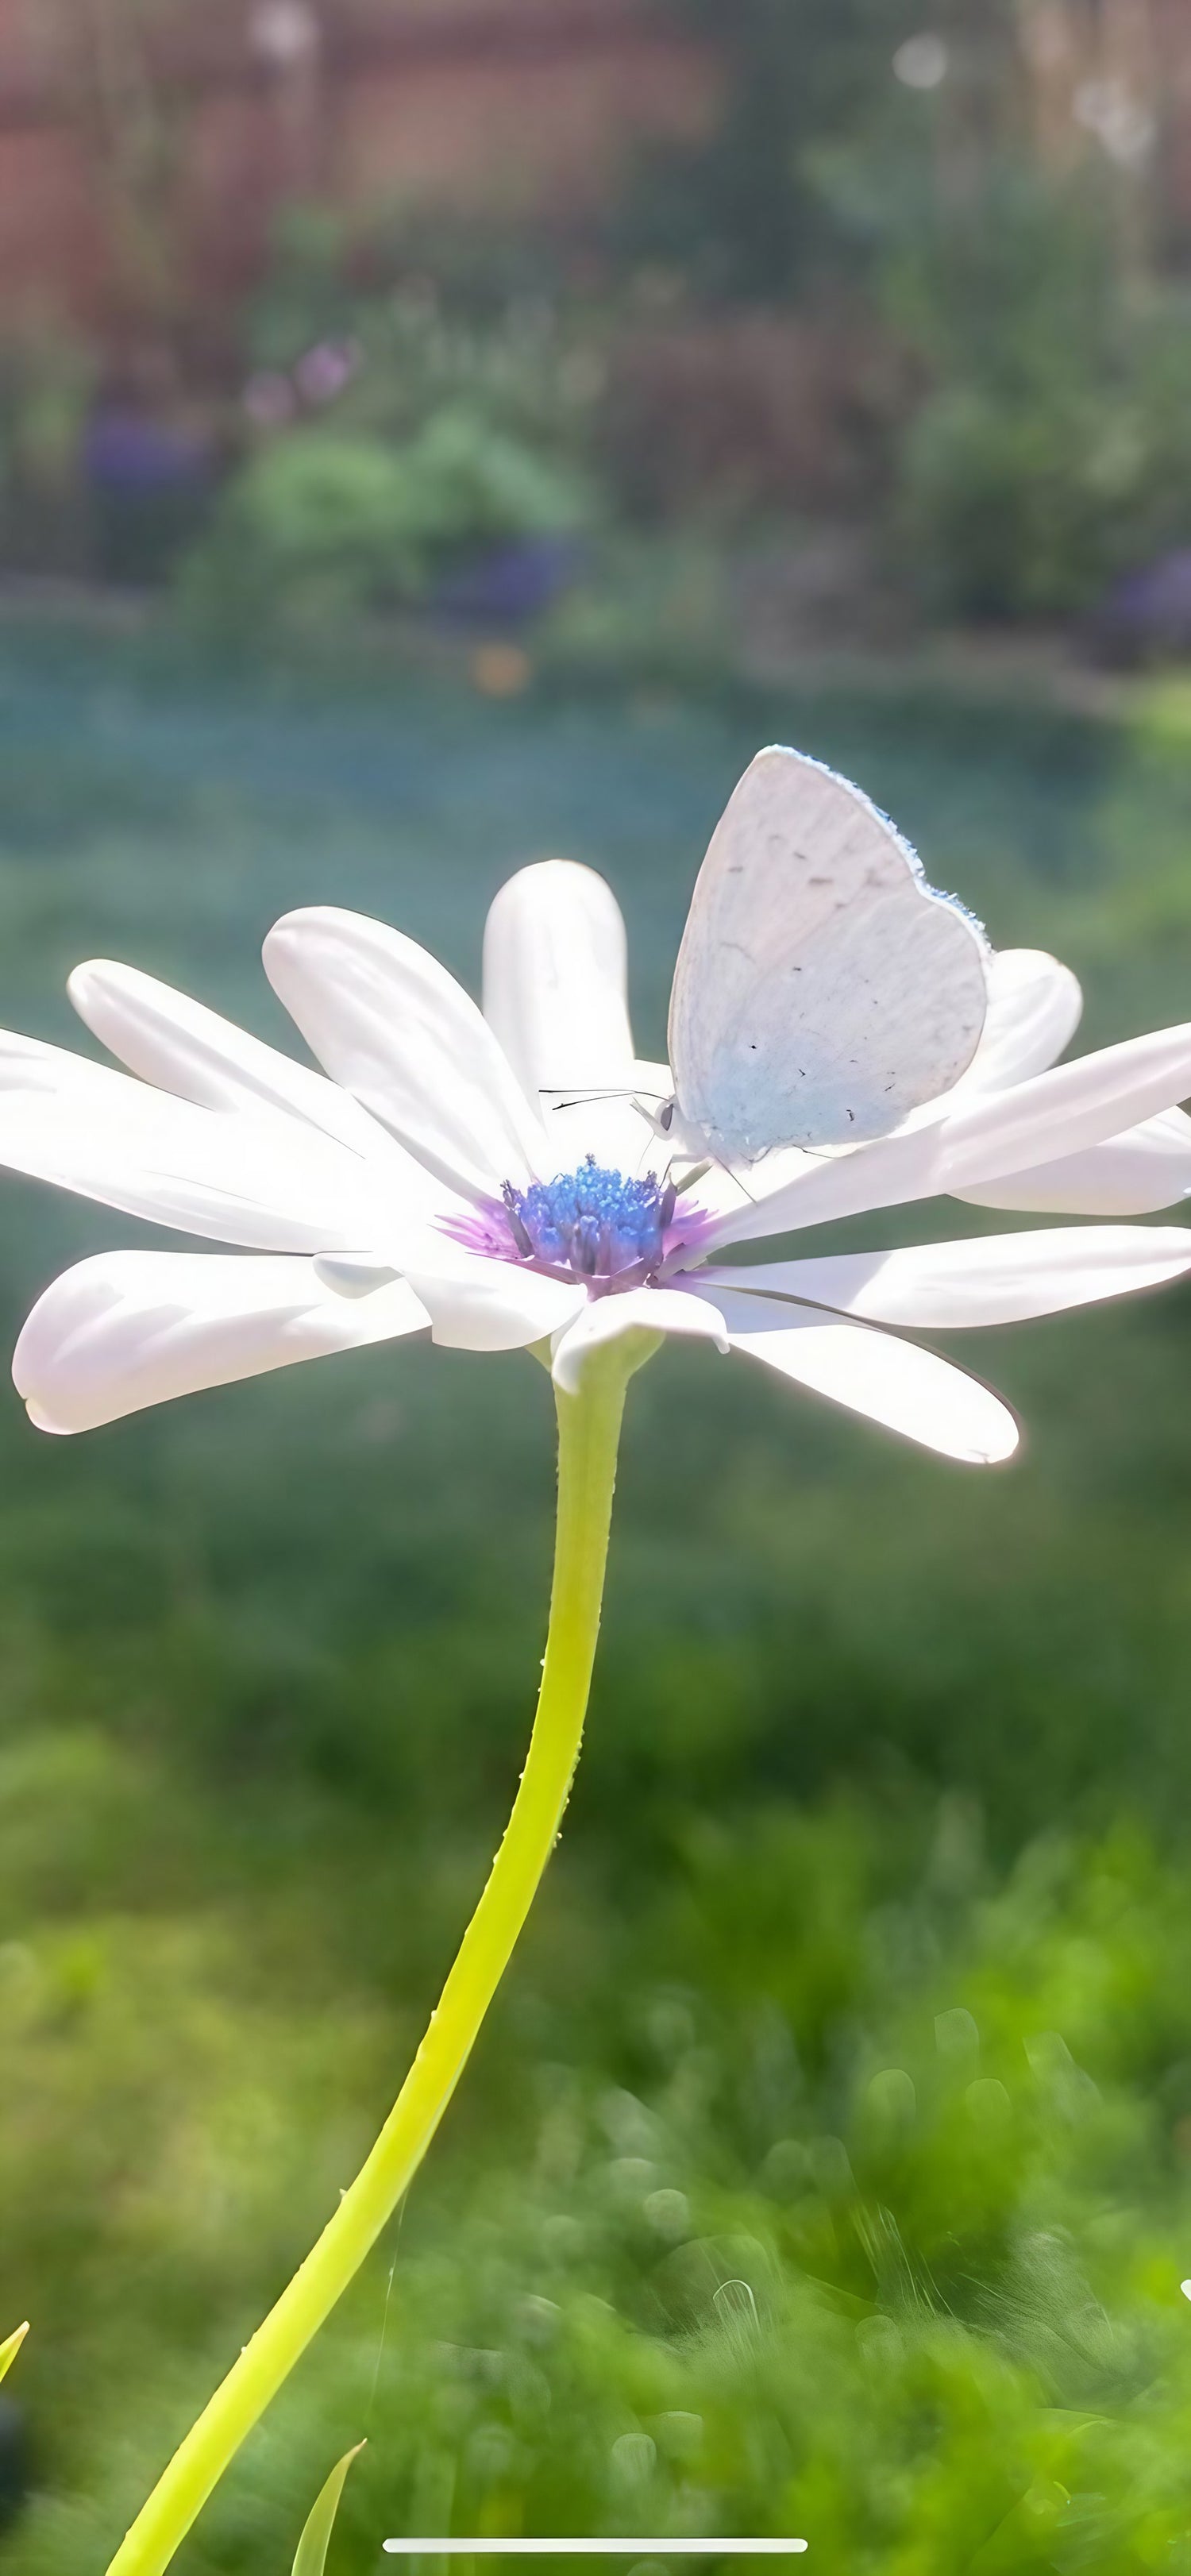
(267, 1667)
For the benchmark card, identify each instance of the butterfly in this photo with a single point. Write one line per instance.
(823, 989)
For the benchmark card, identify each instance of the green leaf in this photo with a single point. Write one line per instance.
(10, 2349)
(312, 2547)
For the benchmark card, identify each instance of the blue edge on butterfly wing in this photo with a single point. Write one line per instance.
(907, 848)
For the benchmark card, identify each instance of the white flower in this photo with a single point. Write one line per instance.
(491, 1175)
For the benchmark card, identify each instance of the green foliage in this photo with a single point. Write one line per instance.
(818, 2137)
(788, 2018)
(1050, 450)
(312, 2548)
(741, 213)
(451, 319)
(1027, 375)
(658, 606)
(465, 422)
(47, 376)
(303, 297)
(444, 288)
(325, 503)
(1144, 900)
(332, 518)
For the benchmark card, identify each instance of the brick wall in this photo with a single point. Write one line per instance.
(144, 144)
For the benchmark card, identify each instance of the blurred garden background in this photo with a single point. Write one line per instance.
(435, 434)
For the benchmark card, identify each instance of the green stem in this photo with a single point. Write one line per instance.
(588, 1436)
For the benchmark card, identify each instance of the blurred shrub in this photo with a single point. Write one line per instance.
(615, 368)
(727, 413)
(322, 504)
(1004, 384)
(407, 423)
(1050, 448)
(332, 517)
(47, 374)
(438, 274)
(741, 214)
(655, 603)
(421, 339)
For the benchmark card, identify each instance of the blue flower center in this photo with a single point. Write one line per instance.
(592, 1222)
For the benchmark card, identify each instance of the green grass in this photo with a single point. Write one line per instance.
(863, 1978)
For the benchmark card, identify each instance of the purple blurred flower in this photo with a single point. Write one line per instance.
(511, 582)
(323, 371)
(1146, 615)
(127, 452)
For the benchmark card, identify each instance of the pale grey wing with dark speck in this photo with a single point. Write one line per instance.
(822, 990)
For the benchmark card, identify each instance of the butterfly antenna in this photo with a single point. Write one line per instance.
(572, 1095)
(611, 1091)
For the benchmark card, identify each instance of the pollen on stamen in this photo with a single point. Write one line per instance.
(593, 1222)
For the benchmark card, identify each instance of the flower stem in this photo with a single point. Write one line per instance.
(588, 1436)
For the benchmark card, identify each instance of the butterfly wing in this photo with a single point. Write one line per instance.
(822, 988)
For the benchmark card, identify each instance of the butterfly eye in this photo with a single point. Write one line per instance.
(666, 1117)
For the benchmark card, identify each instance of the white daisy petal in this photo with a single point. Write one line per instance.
(354, 1274)
(894, 1383)
(651, 1310)
(182, 1047)
(479, 1304)
(556, 977)
(264, 1182)
(978, 1136)
(28, 1064)
(819, 1188)
(1067, 1109)
(392, 1026)
(1136, 1174)
(130, 1329)
(1034, 1006)
(991, 1279)
(556, 995)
